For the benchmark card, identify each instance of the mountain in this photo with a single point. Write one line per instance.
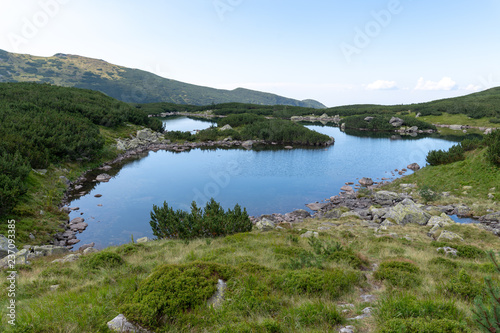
(126, 84)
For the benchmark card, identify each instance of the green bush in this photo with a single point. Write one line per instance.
(463, 250)
(213, 221)
(487, 304)
(128, 249)
(423, 325)
(463, 286)
(348, 258)
(236, 120)
(179, 136)
(171, 290)
(428, 193)
(438, 157)
(100, 260)
(398, 273)
(493, 151)
(471, 144)
(332, 283)
(14, 169)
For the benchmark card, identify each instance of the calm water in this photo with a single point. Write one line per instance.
(264, 181)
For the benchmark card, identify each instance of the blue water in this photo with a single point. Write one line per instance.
(264, 181)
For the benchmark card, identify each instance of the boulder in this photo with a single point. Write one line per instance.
(143, 240)
(316, 206)
(299, 214)
(366, 181)
(225, 127)
(121, 324)
(456, 127)
(310, 234)
(448, 250)
(386, 197)
(407, 212)
(4, 246)
(413, 166)
(448, 235)
(396, 122)
(50, 250)
(77, 220)
(90, 250)
(72, 241)
(493, 217)
(368, 119)
(79, 227)
(247, 144)
(442, 220)
(462, 211)
(104, 177)
(347, 188)
(335, 213)
(86, 246)
(350, 214)
(20, 258)
(265, 225)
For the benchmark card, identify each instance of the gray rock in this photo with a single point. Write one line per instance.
(347, 329)
(368, 119)
(442, 220)
(54, 287)
(79, 226)
(366, 181)
(316, 206)
(72, 242)
(143, 240)
(50, 250)
(407, 212)
(334, 213)
(104, 177)
(299, 214)
(347, 188)
(448, 250)
(396, 122)
(90, 250)
(448, 235)
(265, 225)
(350, 214)
(225, 127)
(4, 246)
(386, 197)
(493, 217)
(216, 300)
(86, 246)
(310, 234)
(122, 325)
(247, 144)
(367, 312)
(77, 220)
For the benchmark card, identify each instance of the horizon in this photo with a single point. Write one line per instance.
(385, 52)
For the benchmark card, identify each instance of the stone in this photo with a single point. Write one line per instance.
(350, 214)
(216, 300)
(448, 235)
(385, 197)
(106, 167)
(79, 226)
(299, 214)
(347, 188)
(72, 241)
(143, 240)
(50, 250)
(493, 217)
(265, 225)
(310, 234)
(414, 166)
(247, 144)
(288, 147)
(448, 250)
(98, 195)
(396, 122)
(316, 206)
(462, 211)
(103, 177)
(334, 213)
(225, 127)
(407, 212)
(77, 220)
(366, 181)
(347, 329)
(4, 247)
(368, 298)
(86, 246)
(90, 250)
(122, 325)
(54, 287)
(456, 127)
(442, 220)
(368, 119)
(367, 312)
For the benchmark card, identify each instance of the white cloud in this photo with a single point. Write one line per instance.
(382, 85)
(473, 88)
(445, 83)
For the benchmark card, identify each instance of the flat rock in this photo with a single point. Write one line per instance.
(77, 220)
(448, 235)
(79, 226)
(104, 177)
(366, 181)
(316, 206)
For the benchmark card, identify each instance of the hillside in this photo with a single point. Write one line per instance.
(126, 84)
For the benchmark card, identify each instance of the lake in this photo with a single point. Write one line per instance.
(266, 180)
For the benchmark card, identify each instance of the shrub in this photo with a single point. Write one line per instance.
(487, 304)
(333, 283)
(130, 248)
(171, 290)
(463, 250)
(438, 157)
(348, 258)
(463, 286)
(493, 151)
(471, 144)
(100, 260)
(398, 273)
(443, 262)
(179, 136)
(428, 194)
(213, 221)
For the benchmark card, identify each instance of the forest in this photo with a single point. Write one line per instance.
(42, 124)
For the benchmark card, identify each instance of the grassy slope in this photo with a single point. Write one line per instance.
(126, 84)
(474, 171)
(86, 300)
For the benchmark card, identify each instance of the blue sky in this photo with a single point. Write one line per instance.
(337, 52)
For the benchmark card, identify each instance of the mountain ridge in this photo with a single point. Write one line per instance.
(127, 84)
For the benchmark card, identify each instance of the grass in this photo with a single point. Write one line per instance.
(263, 294)
(458, 119)
(474, 171)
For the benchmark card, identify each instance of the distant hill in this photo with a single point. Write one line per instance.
(126, 84)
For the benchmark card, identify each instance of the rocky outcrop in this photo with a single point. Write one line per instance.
(407, 212)
(414, 166)
(366, 181)
(143, 137)
(396, 122)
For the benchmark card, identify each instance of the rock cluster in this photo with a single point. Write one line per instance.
(142, 138)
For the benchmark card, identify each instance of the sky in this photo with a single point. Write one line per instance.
(335, 51)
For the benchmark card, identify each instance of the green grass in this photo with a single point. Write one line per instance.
(262, 294)
(458, 119)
